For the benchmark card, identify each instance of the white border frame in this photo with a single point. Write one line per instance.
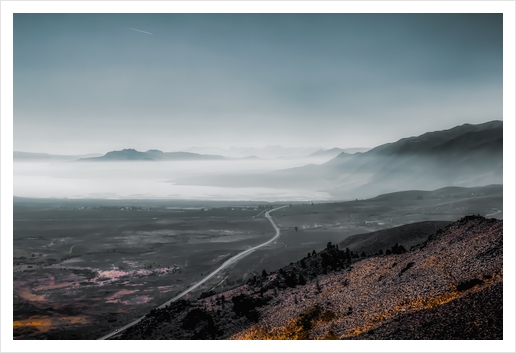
(10, 7)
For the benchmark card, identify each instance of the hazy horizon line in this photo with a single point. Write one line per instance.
(315, 148)
(186, 150)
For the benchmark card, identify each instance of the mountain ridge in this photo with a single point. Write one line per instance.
(466, 155)
(130, 154)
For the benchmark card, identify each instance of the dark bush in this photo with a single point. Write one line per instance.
(469, 284)
(201, 323)
(318, 287)
(409, 265)
(327, 316)
(244, 305)
(306, 319)
(194, 317)
(206, 294)
(398, 249)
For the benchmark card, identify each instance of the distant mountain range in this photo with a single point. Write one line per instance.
(130, 154)
(151, 155)
(276, 152)
(268, 152)
(466, 155)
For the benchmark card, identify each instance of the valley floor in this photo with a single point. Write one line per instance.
(86, 268)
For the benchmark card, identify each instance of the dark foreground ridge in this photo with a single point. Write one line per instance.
(448, 287)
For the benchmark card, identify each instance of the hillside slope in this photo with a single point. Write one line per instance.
(444, 283)
(406, 235)
(466, 155)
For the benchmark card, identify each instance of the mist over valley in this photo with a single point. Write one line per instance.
(467, 155)
(258, 176)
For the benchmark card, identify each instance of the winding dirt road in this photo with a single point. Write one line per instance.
(220, 268)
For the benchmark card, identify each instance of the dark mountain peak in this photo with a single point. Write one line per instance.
(426, 142)
(125, 154)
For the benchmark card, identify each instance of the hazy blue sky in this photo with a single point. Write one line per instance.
(93, 83)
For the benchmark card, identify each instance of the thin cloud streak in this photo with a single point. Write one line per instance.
(139, 30)
(298, 80)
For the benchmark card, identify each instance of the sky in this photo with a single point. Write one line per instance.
(91, 83)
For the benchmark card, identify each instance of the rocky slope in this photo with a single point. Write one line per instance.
(450, 286)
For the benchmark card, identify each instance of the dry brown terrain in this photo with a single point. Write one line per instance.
(448, 287)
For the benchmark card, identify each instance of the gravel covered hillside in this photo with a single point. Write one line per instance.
(447, 287)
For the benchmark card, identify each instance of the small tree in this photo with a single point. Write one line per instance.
(347, 255)
(398, 249)
(318, 286)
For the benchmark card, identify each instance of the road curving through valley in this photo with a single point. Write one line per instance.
(227, 263)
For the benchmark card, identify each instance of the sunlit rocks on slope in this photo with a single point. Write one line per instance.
(448, 287)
